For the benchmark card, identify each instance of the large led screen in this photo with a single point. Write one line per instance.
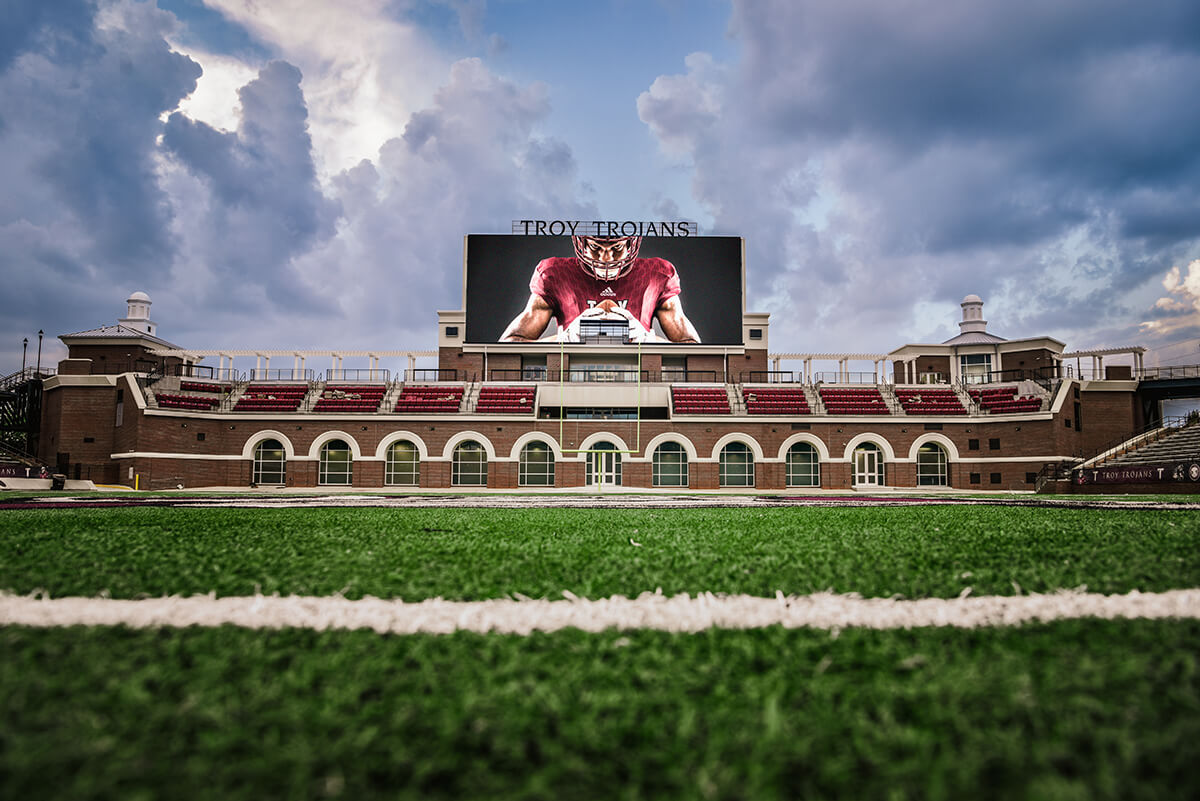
(582, 289)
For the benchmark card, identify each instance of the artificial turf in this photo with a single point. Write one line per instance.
(1070, 710)
(469, 554)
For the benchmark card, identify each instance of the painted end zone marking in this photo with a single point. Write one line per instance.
(679, 613)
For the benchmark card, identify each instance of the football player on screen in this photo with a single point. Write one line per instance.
(604, 280)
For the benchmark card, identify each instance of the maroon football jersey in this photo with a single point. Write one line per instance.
(570, 290)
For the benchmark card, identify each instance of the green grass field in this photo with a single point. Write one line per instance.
(1075, 709)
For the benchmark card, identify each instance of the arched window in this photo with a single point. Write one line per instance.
(337, 464)
(803, 466)
(403, 466)
(867, 466)
(931, 466)
(470, 466)
(737, 465)
(604, 468)
(670, 467)
(536, 467)
(270, 463)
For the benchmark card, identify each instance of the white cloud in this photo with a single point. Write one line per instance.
(215, 100)
(1180, 310)
(364, 71)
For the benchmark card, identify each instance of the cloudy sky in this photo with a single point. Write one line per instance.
(299, 173)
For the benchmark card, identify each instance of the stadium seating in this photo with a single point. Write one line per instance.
(168, 401)
(350, 398)
(201, 386)
(429, 399)
(774, 400)
(505, 400)
(699, 400)
(1004, 400)
(928, 400)
(856, 400)
(271, 398)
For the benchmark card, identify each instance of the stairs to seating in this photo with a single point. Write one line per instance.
(1183, 444)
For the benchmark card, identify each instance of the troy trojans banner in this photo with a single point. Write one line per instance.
(1142, 473)
(604, 289)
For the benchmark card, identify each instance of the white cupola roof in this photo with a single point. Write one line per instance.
(137, 314)
(972, 316)
(972, 329)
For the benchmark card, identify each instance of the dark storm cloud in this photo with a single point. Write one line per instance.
(1002, 147)
(82, 215)
(264, 203)
(23, 23)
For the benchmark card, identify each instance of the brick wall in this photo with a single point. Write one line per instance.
(75, 413)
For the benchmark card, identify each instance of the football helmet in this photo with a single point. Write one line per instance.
(606, 258)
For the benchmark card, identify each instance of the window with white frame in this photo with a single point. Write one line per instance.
(470, 466)
(803, 466)
(403, 466)
(737, 465)
(270, 462)
(975, 368)
(670, 465)
(536, 465)
(931, 466)
(337, 464)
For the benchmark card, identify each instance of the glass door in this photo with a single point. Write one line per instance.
(604, 466)
(866, 468)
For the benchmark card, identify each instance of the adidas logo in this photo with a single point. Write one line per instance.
(607, 292)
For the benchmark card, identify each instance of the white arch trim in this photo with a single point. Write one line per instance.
(399, 436)
(464, 436)
(314, 450)
(937, 439)
(534, 436)
(257, 437)
(738, 436)
(889, 455)
(670, 436)
(592, 440)
(807, 438)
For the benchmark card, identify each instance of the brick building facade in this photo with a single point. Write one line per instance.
(105, 418)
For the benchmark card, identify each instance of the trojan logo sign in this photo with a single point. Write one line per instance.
(604, 228)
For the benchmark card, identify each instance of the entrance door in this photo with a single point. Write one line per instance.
(866, 467)
(604, 468)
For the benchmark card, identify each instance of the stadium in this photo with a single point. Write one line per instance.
(768, 575)
(580, 392)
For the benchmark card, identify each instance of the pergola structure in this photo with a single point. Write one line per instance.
(1137, 352)
(262, 364)
(878, 362)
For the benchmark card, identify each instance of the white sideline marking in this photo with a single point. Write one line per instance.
(681, 613)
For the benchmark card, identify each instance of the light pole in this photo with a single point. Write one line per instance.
(24, 347)
(39, 364)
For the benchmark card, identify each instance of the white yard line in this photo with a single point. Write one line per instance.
(682, 613)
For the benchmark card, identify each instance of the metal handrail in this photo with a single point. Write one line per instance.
(851, 378)
(1150, 433)
(368, 374)
(435, 374)
(1172, 371)
(768, 377)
